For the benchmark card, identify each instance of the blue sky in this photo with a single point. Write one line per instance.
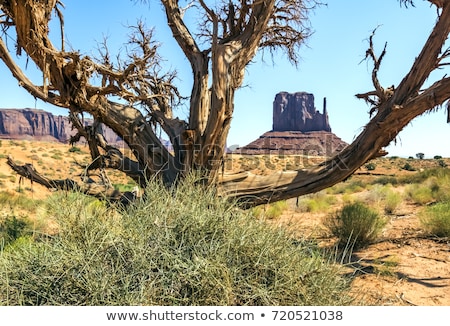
(330, 66)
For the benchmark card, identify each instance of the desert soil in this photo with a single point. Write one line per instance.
(404, 267)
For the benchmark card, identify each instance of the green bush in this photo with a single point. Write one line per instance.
(420, 194)
(392, 201)
(74, 149)
(436, 219)
(408, 167)
(370, 166)
(384, 180)
(276, 209)
(347, 187)
(175, 247)
(437, 157)
(355, 225)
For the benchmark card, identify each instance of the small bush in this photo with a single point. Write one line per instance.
(347, 187)
(420, 194)
(437, 157)
(356, 225)
(370, 166)
(74, 149)
(442, 163)
(385, 180)
(408, 167)
(391, 202)
(436, 219)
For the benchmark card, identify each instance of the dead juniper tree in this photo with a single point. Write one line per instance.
(218, 52)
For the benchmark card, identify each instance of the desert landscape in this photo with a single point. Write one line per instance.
(404, 266)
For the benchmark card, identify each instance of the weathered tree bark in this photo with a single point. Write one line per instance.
(234, 31)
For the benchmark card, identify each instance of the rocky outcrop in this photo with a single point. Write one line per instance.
(34, 124)
(297, 112)
(298, 129)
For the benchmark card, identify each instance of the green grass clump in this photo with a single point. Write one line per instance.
(420, 194)
(356, 225)
(276, 209)
(347, 187)
(385, 180)
(318, 202)
(392, 201)
(74, 149)
(175, 247)
(436, 219)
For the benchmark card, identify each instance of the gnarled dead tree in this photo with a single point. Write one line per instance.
(234, 31)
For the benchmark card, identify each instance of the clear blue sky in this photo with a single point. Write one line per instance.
(330, 65)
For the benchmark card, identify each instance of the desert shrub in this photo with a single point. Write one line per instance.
(408, 167)
(355, 225)
(442, 163)
(392, 201)
(437, 157)
(347, 187)
(74, 149)
(429, 186)
(175, 247)
(436, 219)
(370, 166)
(419, 194)
(424, 175)
(385, 180)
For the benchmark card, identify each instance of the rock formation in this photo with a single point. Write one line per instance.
(312, 143)
(298, 129)
(296, 112)
(34, 124)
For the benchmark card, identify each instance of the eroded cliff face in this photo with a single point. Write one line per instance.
(298, 129)
(297, 112)
(34, 124)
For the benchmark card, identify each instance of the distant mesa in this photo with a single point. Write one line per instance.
(35, 124)
(298, 128)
